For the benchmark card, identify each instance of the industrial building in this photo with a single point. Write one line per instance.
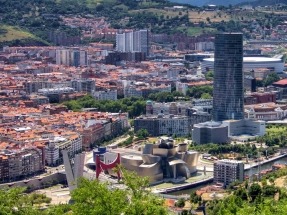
(250, 63)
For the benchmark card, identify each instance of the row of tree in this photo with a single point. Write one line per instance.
(91, 197)
(135, 106)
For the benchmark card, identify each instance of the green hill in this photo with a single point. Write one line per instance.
(11, 35)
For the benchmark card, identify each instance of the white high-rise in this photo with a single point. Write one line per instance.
(135, 41)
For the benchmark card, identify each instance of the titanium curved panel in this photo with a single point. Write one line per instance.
(183, 170)
(171, 152)
(150, 159)
(148, 148)
(182, 147)
(160, 152)
(191, 160)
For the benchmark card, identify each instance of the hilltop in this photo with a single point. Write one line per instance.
(206, 2)
(230, 2)
(36, 20)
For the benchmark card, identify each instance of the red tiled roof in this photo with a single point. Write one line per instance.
(281, 82)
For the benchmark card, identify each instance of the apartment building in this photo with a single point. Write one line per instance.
(163, 125)
(228, 171)
(71, 57)
(134, 41)
(83, 85)
(19, 163)
(106, 95)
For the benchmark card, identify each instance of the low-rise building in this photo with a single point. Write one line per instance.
(210, 132)
(265, 111)
(163, 125)
(245, 129)
(106, 95)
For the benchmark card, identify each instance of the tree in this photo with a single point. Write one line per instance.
(270, 79)
(254, 191)
(141, 200)
(180, 203)
(15, 201)
(209, 75)
(93, 197)
(142, 133)
(205, 96)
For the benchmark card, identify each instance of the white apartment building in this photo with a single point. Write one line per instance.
(71, 57)
(135, 41)
(52, 154)
(72, 143)
(132, 91)
(106, 95)
(204, 46)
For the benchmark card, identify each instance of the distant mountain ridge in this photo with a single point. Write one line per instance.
(266, 2)
(230, 2)
(206, 2)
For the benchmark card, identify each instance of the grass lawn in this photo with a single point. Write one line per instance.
(10, 33)
(195, 31)
(275, 131)
(214, 16)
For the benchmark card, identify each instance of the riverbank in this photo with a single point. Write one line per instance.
(250, 166)
(187, 185)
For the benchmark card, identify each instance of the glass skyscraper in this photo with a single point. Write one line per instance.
(228, 77)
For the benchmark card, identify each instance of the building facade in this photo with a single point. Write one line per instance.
(228, 77)
(228, 171)
(163, 125)
(210, 132)
(134, 41)
(106, 95)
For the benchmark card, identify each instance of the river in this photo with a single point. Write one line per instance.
(254, 170)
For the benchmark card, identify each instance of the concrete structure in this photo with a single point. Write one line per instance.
(71, 57)
(84, 85)
(52, 154)
(204, 46)
(55, 91)
(228, 171)
(250, 63)
(210, 132)
(163, 125)
(106, 95)
(134, 41)
(176, 108)
(73, 170)
(181, 87)
(245, 128)
(56, 146)
(257, 98)
(20, 163)
(163, 161)
(228, 77)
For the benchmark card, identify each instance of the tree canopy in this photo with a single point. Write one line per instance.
(91, 197)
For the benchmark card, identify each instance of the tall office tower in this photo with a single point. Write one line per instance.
(135, 41)
(228, 77)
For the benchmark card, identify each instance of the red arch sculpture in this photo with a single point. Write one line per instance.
(100, 166)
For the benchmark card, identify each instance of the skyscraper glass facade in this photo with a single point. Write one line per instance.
(228, 77)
